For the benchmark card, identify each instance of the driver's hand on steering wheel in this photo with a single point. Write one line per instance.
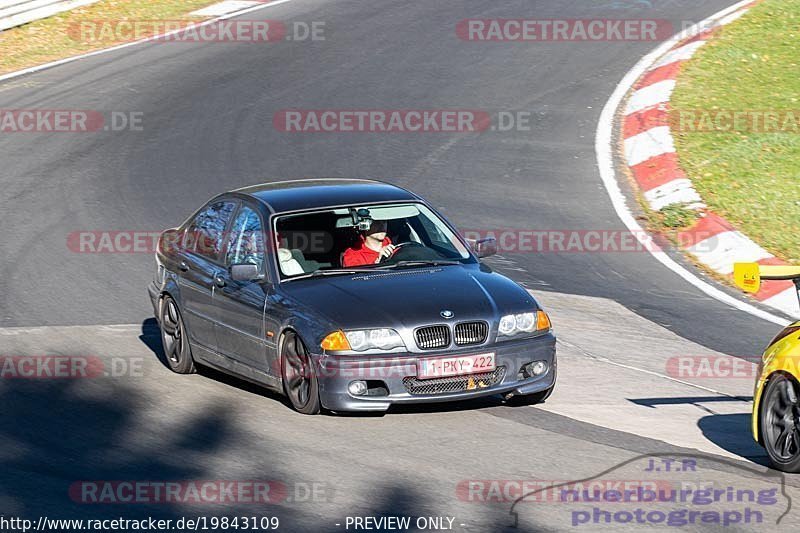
(385, 252)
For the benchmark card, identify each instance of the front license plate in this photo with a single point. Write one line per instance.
(455, 366)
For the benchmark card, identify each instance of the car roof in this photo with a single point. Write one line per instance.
(314, 193)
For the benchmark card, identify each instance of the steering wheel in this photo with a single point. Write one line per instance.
(404, 248)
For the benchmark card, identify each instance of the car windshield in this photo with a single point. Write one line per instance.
(362, 237)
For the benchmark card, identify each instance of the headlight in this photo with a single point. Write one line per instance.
(363, 339)
(521, 323)
(369, 339)
(525, 322)
(507, 325)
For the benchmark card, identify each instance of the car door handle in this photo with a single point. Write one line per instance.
(183, 266)
(219, 281)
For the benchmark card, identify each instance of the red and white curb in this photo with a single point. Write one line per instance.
(649, 152)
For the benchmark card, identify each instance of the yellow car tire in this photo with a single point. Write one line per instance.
(779, 412)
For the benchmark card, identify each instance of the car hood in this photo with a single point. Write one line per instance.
(411, 297)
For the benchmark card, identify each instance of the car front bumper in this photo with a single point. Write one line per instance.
(392, 373)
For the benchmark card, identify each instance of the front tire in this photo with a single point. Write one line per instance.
(299, 380)
(778, 416)
(174, 338)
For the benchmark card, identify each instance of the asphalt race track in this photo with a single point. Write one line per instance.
(207, 113)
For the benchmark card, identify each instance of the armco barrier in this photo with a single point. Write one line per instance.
(17, 12)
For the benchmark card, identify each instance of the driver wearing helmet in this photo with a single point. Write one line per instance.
(374, 247)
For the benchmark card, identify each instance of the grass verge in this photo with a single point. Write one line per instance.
(56, 37)
(746, 167)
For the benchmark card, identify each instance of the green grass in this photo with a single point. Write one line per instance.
(49, 39)
(676, 216)
(751, 178)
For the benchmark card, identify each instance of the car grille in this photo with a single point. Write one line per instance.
(416, 386)
(432, 337)
(468, 333)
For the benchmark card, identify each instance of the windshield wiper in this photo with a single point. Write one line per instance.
(331, 272)
(419, 262)
(399, 264)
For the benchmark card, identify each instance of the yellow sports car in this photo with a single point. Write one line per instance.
(775, 399)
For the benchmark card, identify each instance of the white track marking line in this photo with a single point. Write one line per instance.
(24, 330)
(679, 54)
(608, 361)
(224, 8)
(730, 18)
(605, 146)
(58, 62)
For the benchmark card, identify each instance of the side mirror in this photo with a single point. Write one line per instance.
(245, 272)
(485, 247)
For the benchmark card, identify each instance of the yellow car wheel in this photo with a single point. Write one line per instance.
(779, 422)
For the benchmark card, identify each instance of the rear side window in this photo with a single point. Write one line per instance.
(246, 240)
(205, 235)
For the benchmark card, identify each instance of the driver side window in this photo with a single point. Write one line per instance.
(246, 240)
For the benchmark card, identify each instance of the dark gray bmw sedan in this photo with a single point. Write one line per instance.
(346, 295)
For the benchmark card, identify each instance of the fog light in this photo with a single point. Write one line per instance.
(537, 368)
(357, 388)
